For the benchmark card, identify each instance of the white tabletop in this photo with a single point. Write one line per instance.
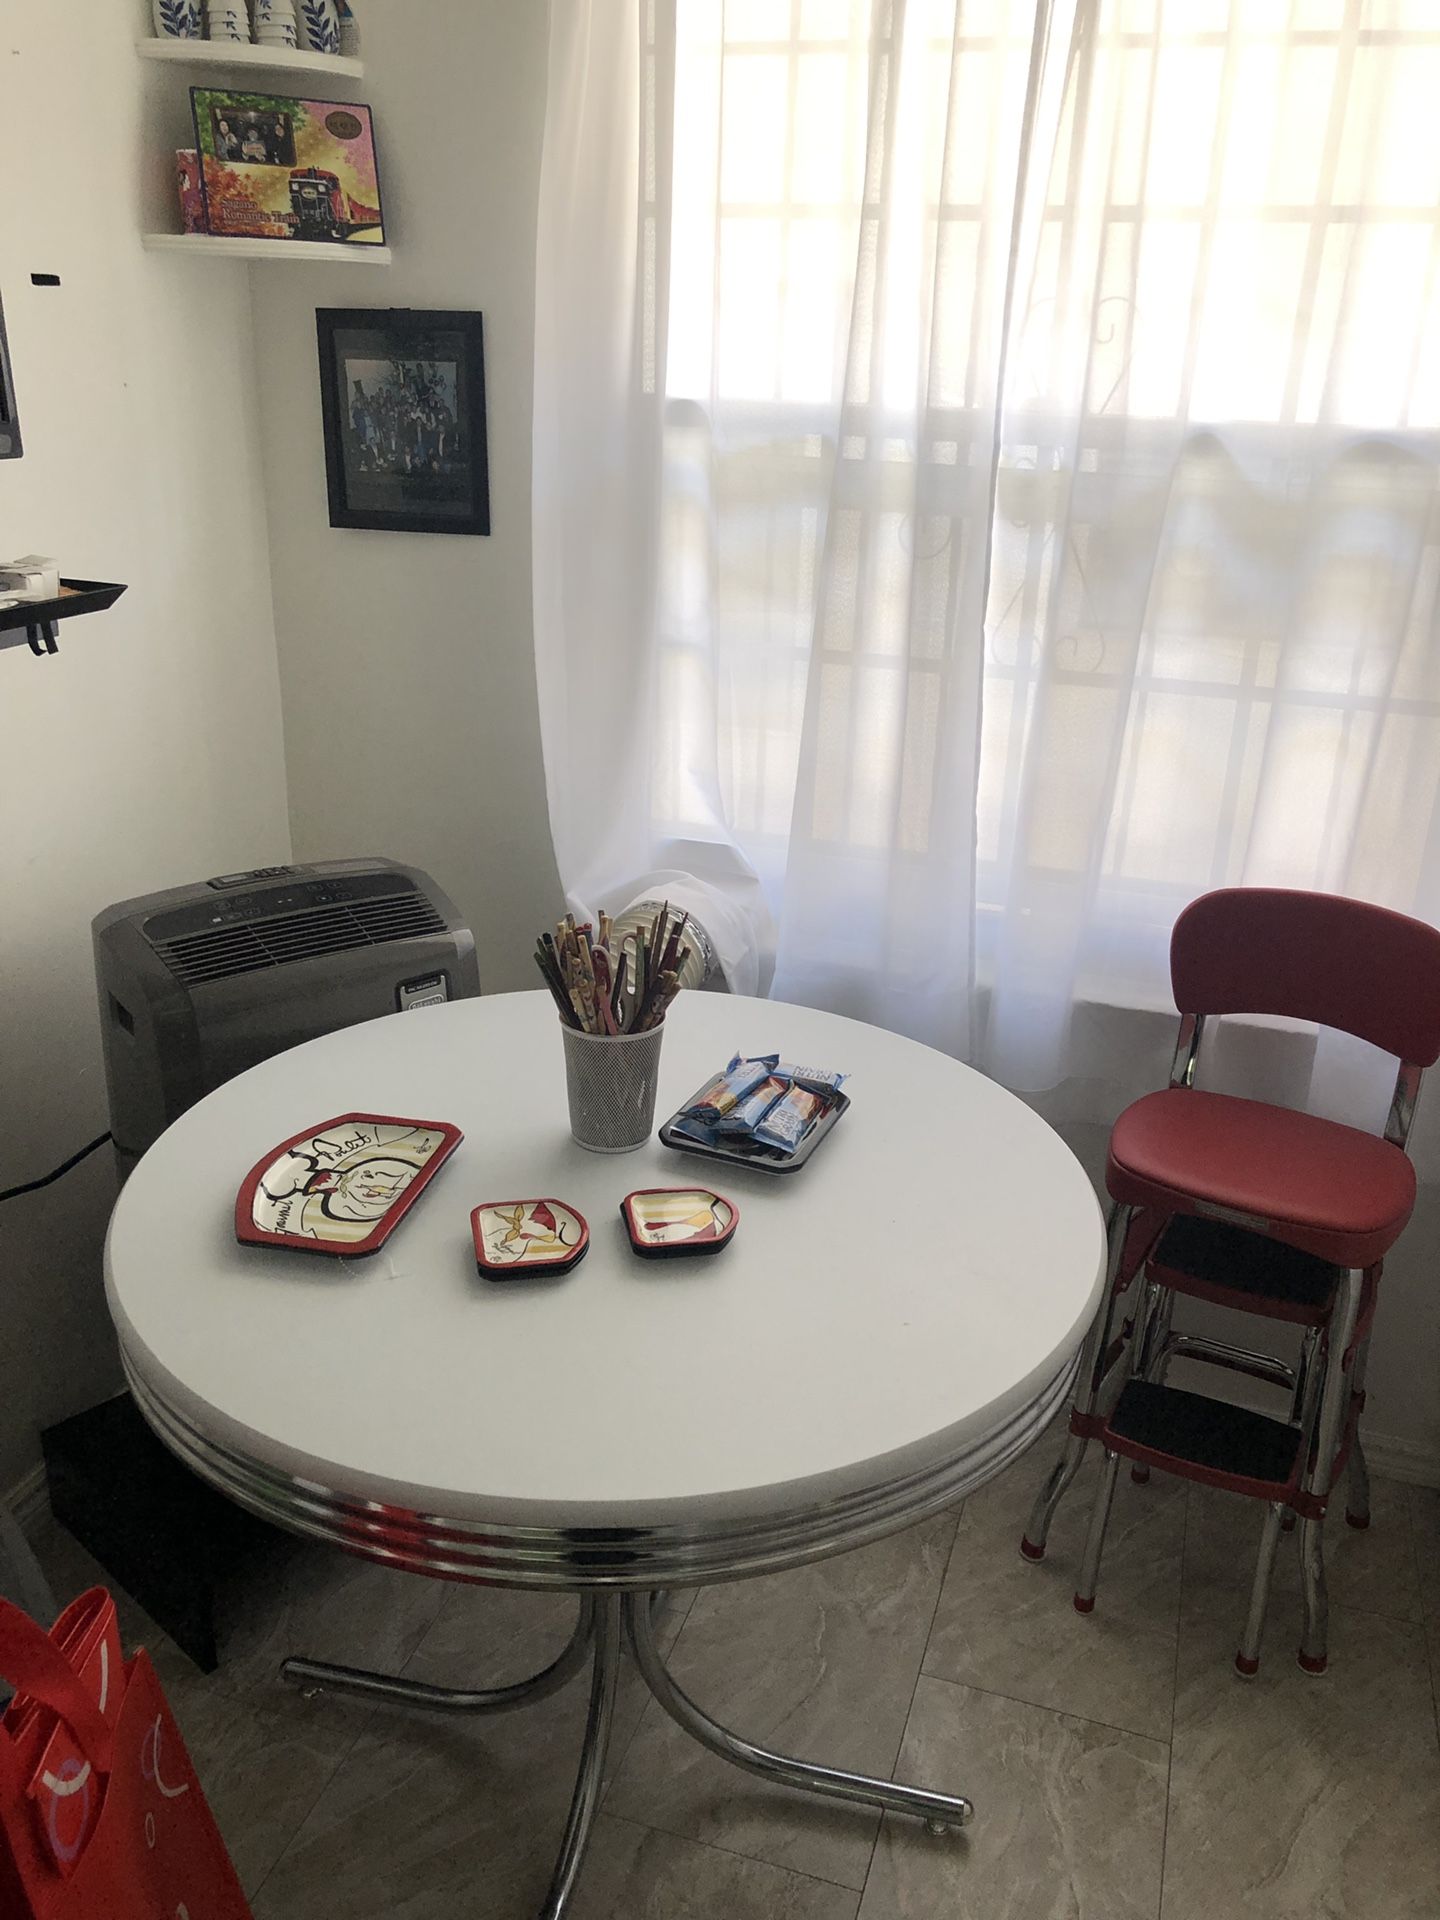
(882, 1309)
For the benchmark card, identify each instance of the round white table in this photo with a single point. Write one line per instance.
(890, 1326)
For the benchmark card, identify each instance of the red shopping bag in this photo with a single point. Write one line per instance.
(101, 1815)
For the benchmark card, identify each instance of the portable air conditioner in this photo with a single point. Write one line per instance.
(200, 982)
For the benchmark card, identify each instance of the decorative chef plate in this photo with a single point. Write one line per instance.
(664, 1222)
(516, 1237)
(344, 1187)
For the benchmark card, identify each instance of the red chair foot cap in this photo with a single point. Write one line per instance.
(1287, 1525)
(1083, 1605)
(1247, 1667)
(1312, 1662)
(1140, 1475)
(1031, 1551)
(1357, 1520)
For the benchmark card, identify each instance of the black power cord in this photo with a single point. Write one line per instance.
(48, 1179)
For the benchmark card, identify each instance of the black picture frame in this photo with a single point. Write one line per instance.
(11, 445)
(402, 394)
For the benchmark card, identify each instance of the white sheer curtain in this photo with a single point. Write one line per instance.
(986, 481)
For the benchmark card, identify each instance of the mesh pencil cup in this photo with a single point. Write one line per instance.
(611, 1080)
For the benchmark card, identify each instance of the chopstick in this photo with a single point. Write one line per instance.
(602, 984)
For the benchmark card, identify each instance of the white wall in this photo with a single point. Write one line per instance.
(148, 752)
(406, 660)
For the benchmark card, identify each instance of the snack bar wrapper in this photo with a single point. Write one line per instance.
(752, 1109)
(789, 1120)
(816, 1079)
(728, 1089)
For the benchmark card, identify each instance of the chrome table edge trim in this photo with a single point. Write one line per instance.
(612, 1555)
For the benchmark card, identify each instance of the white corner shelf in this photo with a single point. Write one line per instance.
(226, 247)
(237, 56)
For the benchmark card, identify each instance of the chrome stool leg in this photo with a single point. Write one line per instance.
(1247, 1658)
(1357, 1503)
(1088, 1382)
(593, 1753)
(1095, 1539)
(1334, 1396)
(1155, 1362)
(317, 1675)
(1315, 1638)
(940, 1811)
(1302, 1405)
(1057, 1485)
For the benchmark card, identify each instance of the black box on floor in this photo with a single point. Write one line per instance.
(169, 1540)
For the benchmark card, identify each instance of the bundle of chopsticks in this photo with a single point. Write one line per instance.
(607, 986)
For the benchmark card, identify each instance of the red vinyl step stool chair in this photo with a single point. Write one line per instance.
(1280, 1214)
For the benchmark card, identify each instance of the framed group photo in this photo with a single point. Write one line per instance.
(403, 398)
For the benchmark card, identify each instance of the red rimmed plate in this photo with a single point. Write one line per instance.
(514, 1238)
(342, 1188)
(665, 1223)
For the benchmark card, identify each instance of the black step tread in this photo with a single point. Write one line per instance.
(1202, 1432)
(1251, 1263)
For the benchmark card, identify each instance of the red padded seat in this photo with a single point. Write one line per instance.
(1331, 1190)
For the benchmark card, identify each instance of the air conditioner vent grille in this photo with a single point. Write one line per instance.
(249, 946)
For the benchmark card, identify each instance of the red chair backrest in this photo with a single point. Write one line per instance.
(1312, 956)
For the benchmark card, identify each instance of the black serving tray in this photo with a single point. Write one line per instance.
(761, 1159)
(36, 619)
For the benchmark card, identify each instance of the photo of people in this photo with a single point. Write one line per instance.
(403, 417)
(403, 397)
(243, 137)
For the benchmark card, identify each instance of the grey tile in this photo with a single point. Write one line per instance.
(633, 1873)
(819, 1662)
(308, 1598)
(262, 1762)
(1425, 1521)
(1373, 1568)
(490, 1636)
(1008, 1625)
(1300, 1798)
(1069, 1816)
(433, 1814)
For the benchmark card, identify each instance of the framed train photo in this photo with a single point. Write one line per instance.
(273, 168)
(403, 398)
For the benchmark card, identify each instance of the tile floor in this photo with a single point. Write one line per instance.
(1119, 1769)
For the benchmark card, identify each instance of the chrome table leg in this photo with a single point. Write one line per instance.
(941, 1812)
(598, 1722)
(1247, 1658)
(418, 1693)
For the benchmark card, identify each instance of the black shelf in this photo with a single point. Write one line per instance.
(32, 623)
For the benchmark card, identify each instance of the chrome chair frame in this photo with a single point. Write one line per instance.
(1319, 1399)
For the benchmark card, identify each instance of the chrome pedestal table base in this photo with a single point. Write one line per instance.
(620, 1573)
(598, 1631)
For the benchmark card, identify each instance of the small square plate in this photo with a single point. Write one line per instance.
(665, 1223)
(515, 1237)
(344, 1187)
